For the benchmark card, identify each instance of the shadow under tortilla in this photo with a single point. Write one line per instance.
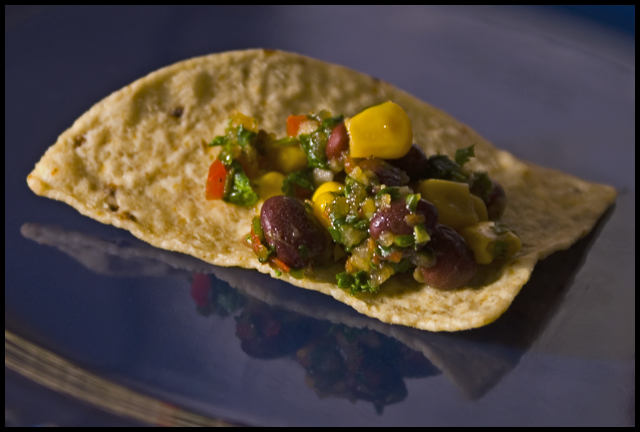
(515, 331)
(532, 308)
(474, 360)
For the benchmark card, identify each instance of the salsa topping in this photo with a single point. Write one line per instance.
(358, 190)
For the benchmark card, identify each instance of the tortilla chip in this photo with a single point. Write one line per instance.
(139, 160)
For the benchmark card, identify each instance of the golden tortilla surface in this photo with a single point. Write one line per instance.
(139, 160)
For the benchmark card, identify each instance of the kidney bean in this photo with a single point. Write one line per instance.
(387, 173)
(338, 141)
(393, 218)
(293, 231)
(455, 263)
(414, 163)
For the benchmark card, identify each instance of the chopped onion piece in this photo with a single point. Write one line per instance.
(321, 176)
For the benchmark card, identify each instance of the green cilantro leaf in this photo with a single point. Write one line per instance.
(328, 124)
(356, 283)
(335, 234)
(393, 191)
(351, 219)
(443, 168)
(314, 145)
(238, 190)
(245, 136)
(362, 224)
(300, 178)
(463, 155)
(403, 266)
(218, 141)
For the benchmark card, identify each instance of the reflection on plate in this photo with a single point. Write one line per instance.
(343, 353)
(339, 361)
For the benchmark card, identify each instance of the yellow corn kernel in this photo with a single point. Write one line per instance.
(368, 208)
(480, 207)
(288, 159)
(456, 208)
(320, 205)
(269, 185)
(513, 242)
(482, 239)
(327, 187)
(237, 119)
(382, 131)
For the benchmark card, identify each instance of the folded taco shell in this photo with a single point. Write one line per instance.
(139, 160)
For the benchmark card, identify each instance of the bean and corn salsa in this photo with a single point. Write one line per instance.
(357, 189)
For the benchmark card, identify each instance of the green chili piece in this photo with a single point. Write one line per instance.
(412, 202)
(421, 234)
(257, 228)
(297, 273)
(404, 241)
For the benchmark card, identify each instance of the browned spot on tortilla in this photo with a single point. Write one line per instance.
(269, 52)
(79, 140)
(111, 200)
(111, 189)
(130, 216)
(55, 171)
(177, 112)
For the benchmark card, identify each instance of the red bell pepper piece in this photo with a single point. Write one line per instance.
(293, 124)
(216, 180)
(280, 264)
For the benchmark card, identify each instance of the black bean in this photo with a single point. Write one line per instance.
(393, 218)
(413, 163)
(388, 174)
(455, 263)
(495, 200)
(293, 231)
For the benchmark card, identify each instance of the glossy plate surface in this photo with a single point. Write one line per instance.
(89, 301)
